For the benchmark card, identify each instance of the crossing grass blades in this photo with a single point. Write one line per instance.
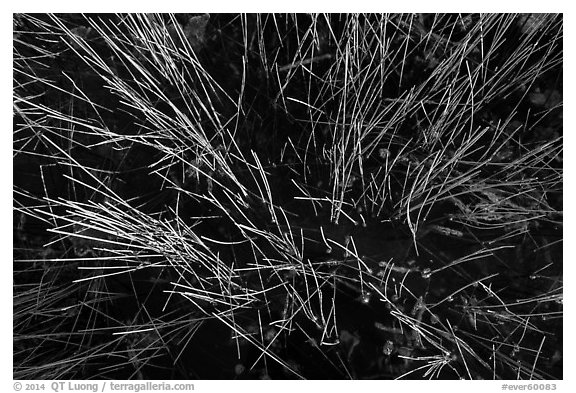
(287, 196)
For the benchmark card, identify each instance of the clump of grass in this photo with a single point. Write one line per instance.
(331, 196)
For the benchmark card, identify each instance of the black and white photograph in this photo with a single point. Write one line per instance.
(287, 196)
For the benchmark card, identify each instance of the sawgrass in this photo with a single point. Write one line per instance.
(274, 175)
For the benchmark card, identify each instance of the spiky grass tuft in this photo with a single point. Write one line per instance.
(384, 190)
